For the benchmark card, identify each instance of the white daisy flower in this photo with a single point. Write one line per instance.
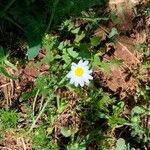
(80, 73)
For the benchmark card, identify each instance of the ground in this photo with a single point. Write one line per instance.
(121, 81)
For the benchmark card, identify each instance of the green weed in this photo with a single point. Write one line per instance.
(8, 119)
(90, 115)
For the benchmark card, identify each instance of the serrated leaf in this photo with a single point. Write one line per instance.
(95, 41)
(70, 26)
(50, 130)
(118, 108)
(105, 66)
(116, 62)
(102, 65)
(84, 52)
(75, 31)
(139, 110)
(121, 145)
(116, 120)
(48, 57)
(79, 37)
(72, 53)
(66, 57)
(96, 60)
(113, 33)
(61, 45)
(65, 131)
(33, 51)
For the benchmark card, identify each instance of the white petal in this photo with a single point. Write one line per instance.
(69, 75)
(86, 71)
(87, 83)
(81, 83)
(86, 79)
(85, 67)
(90, 71)
(72, 80)
(73, 67)
(76, 84)
(80, 62)
(89, 77)
(85, 62)
(73, 64)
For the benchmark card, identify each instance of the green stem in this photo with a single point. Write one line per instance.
(7, 7)
(58, 103)
(35, 99)
(40, 113)
(62, 80)
(45, 105)
(52, 16)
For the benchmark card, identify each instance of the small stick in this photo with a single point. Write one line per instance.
(24, 145)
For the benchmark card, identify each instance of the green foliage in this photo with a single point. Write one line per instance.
(143, 48)
(35, 18)
(41, 141)
(104, 66)
(143, 92)
(8, 119)
(136, 115)
(33, 51)
(113, 33)
(121, 145)
(95, 41)
(76, 146)
(104, 102)
(95, 106)
(5, 63)
(100, 112)
(116, 119)
(148, 11)
(65, 132)
(40, 138)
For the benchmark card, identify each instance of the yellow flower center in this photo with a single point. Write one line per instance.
(79, 72)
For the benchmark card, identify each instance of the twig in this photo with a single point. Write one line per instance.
(24, 145)
(4, 85)
(7, 148)
(122, 45)
(127, 50)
